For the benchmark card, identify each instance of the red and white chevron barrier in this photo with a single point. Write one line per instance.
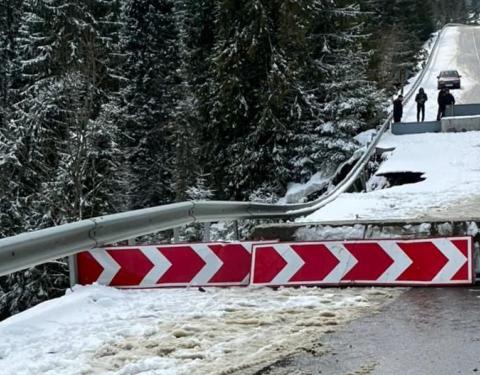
(439, 261)
(167, 265)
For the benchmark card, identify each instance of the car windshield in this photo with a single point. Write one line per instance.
(449, 73)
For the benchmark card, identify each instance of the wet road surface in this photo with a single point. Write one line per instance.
(425, 331)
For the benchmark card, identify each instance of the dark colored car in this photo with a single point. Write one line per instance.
(449, 79)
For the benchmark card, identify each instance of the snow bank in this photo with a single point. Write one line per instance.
(99, 330)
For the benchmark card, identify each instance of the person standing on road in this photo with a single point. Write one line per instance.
(449, 99)
(441, 105)
(421, 98)
(444, 99)
(398, 109)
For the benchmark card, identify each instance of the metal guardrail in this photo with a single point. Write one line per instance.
(29, 249)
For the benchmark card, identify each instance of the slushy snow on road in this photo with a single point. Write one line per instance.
(100, 330)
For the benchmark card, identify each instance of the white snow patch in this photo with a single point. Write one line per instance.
(296, 191)
(472, 229)
(330, 233)
(364, 138)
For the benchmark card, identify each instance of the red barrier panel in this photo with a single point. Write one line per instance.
(438, 261)
(213, 264)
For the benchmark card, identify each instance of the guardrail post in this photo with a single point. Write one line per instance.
(363, 179)
(236, 233)
(72, 270)
(176, 235)
(206, 232)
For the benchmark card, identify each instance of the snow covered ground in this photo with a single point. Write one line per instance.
(449, 161)
(100, 330)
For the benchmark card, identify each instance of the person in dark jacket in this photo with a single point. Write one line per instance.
(449, 99)
(421, 98)
(398, 109)
(440, 101)
(444, 99)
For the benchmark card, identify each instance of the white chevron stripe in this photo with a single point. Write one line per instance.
(212, 264)
(110, 266)
(401, 261)
(160, 265)
(456, 259)
(346, 258)
(294, 263)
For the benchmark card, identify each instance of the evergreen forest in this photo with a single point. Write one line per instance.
(114, 105)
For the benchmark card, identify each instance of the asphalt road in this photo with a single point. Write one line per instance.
(425, 331)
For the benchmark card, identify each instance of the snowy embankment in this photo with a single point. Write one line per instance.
(99, 330)
(449, 162)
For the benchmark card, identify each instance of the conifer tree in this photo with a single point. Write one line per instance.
(257, 99)
(109, 105)
(346, 101)
(231, 90)
(289, 93)
(9, 23)
(195, 23)
(150, 41)
(67, 59)
(54, 145)
(288, 108)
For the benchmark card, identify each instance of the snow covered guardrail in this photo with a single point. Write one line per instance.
(29, 249)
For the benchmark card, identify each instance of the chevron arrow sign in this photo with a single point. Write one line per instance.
(437, 261)
(167, 265)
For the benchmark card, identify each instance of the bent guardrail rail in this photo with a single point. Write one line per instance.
(29, 249)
